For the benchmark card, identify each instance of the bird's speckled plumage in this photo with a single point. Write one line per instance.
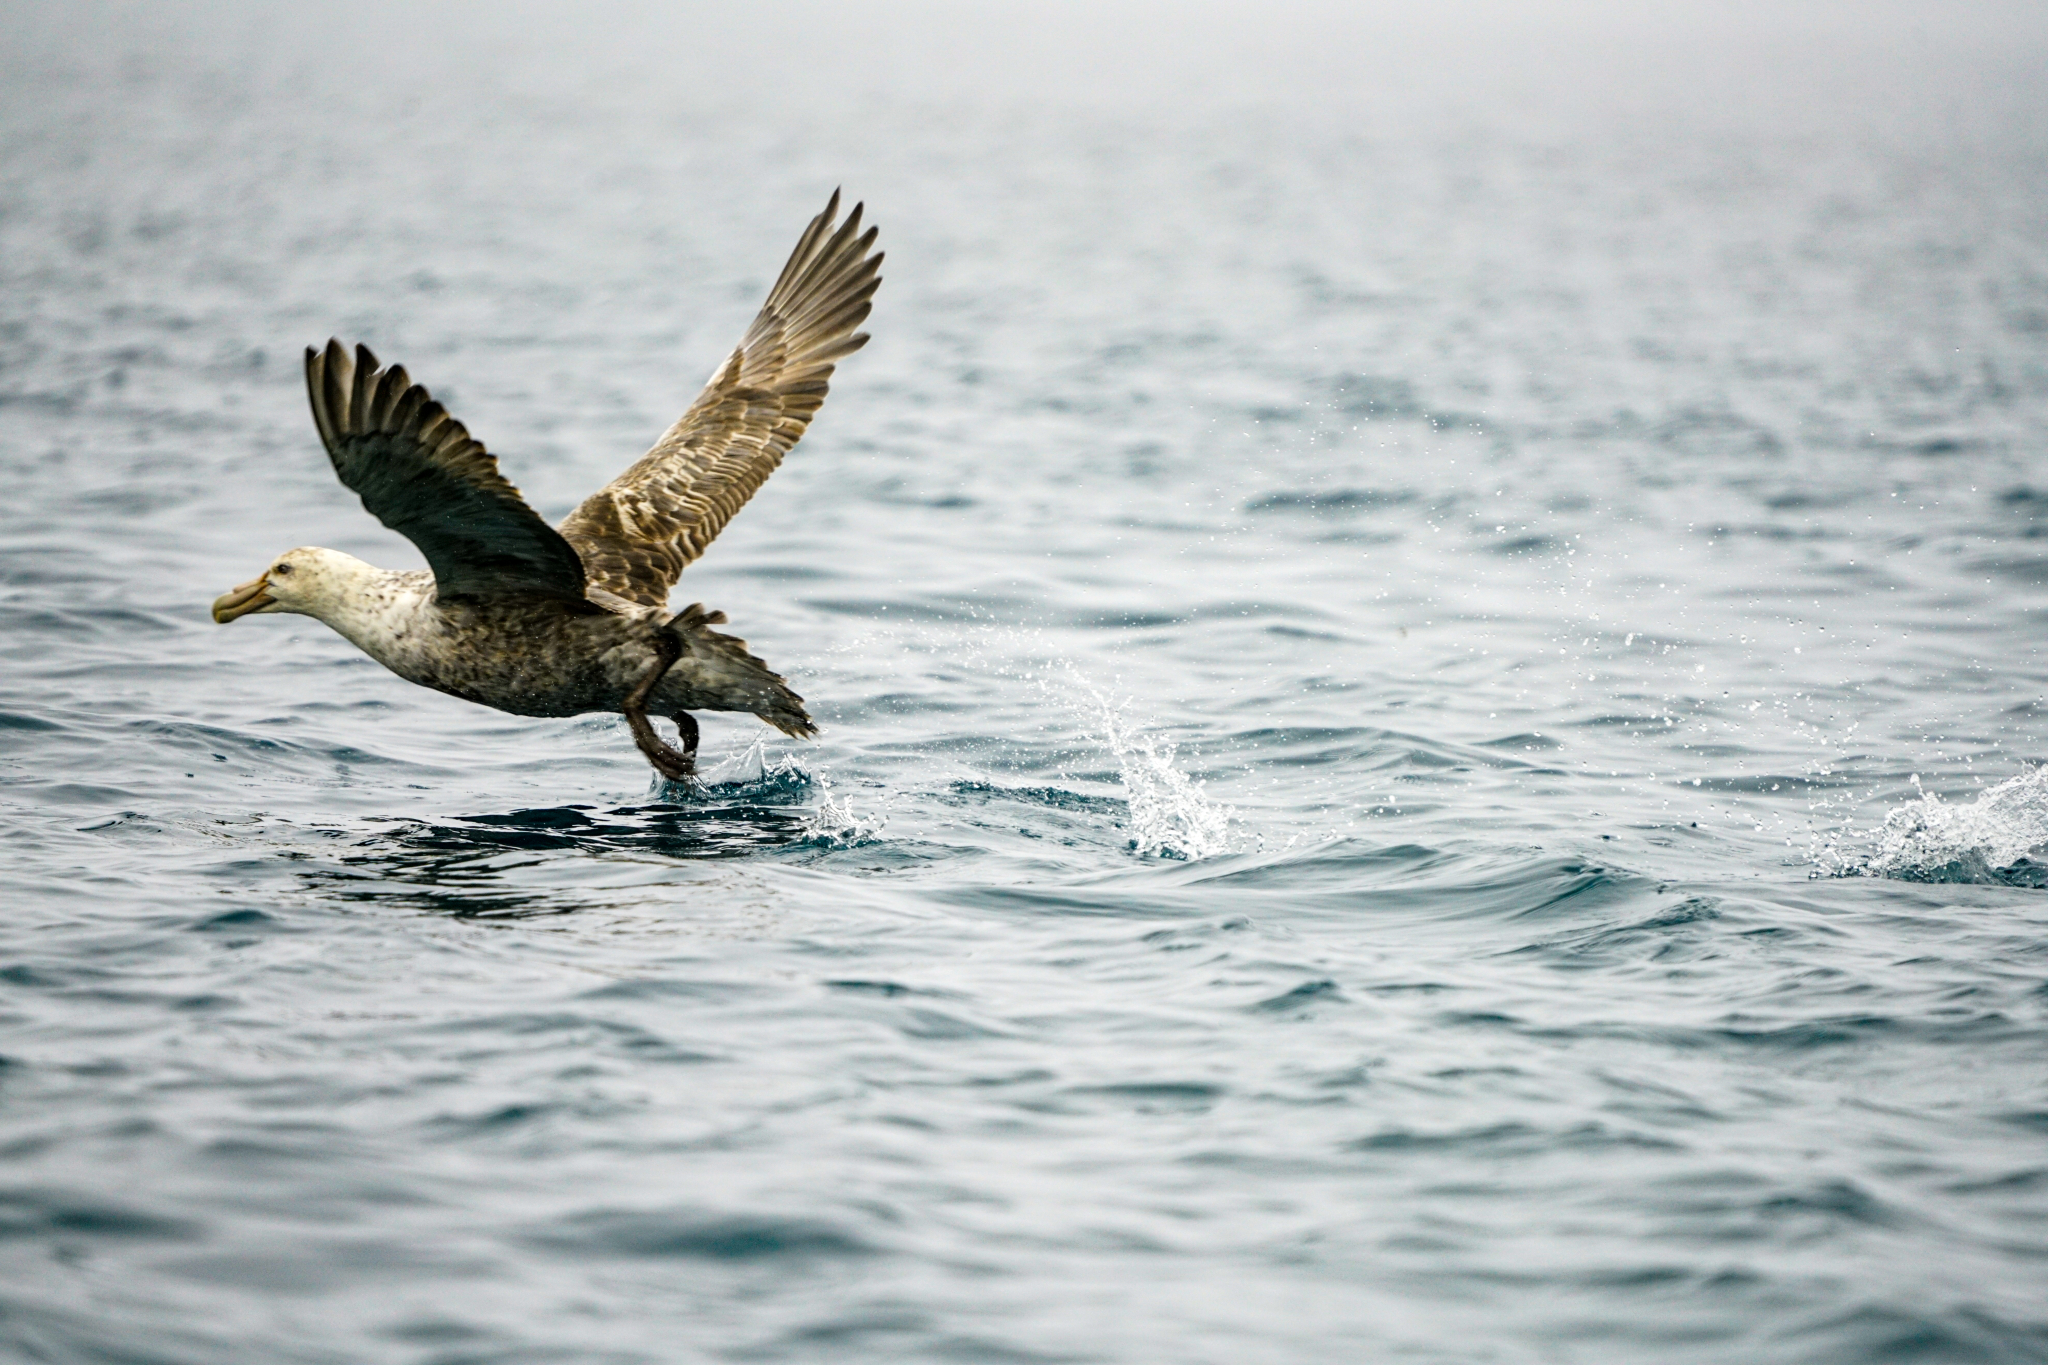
(517, 615)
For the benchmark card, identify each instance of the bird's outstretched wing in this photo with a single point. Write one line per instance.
(422, 474)
(638, 532)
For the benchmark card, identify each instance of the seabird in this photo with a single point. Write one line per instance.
(560, 621)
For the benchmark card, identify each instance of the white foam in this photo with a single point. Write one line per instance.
(1989, 839)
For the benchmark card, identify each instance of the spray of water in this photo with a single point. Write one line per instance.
(748, 767)
(2000, 837)
(835, 823)
(1170, 815)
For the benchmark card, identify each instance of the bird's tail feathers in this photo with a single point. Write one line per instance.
(739, 673)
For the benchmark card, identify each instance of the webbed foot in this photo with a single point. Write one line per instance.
(668, 762)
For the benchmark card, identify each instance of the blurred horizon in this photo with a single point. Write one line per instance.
(1489, 60)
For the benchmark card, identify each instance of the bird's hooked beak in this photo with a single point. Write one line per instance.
(253, 596)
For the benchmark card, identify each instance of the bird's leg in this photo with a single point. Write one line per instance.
(670, 764)
(686, 727)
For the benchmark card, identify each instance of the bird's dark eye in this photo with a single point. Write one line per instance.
(282, 568)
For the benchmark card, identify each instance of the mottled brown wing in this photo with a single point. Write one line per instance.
(421, 474)
(638, 532)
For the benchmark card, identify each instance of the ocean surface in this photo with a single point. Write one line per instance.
(1430, 645)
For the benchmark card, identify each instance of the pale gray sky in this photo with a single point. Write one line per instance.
(1785, 60)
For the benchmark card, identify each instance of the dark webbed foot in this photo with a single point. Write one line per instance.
(686, 725)
(670, 764)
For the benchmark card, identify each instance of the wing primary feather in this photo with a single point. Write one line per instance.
(404, 417)
(827, 257)
(429, 418)
(818, 262)
(390, 388)
(844, 348)
(824, 317)
(804, 246)
(842, 317)
(359, 392)
(828, 302)
(316, 393)
(337, 380)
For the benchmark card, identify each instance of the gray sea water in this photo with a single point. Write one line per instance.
(1428, 628)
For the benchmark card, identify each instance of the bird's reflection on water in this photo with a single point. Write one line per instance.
(463, 866)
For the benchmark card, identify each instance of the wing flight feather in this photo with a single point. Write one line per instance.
(420, 472)
(637, 533)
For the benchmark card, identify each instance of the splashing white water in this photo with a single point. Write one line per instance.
(832, 823)
(835, 823)
(2002, 836)
(750, 771)
(747, 767)
(1170, 815)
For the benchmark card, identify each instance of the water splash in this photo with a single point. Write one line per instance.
(747, 775)
(1170, 815)
(2001, 837)
(751, 776)
(835, 823)
(751, 767)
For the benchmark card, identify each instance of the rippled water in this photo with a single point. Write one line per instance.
(1431, 703)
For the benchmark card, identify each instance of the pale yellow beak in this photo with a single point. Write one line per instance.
(243, 600)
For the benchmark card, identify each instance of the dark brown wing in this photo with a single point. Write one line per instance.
(420, 473)
(638, 532)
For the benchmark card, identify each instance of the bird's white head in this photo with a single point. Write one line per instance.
(309, 581)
